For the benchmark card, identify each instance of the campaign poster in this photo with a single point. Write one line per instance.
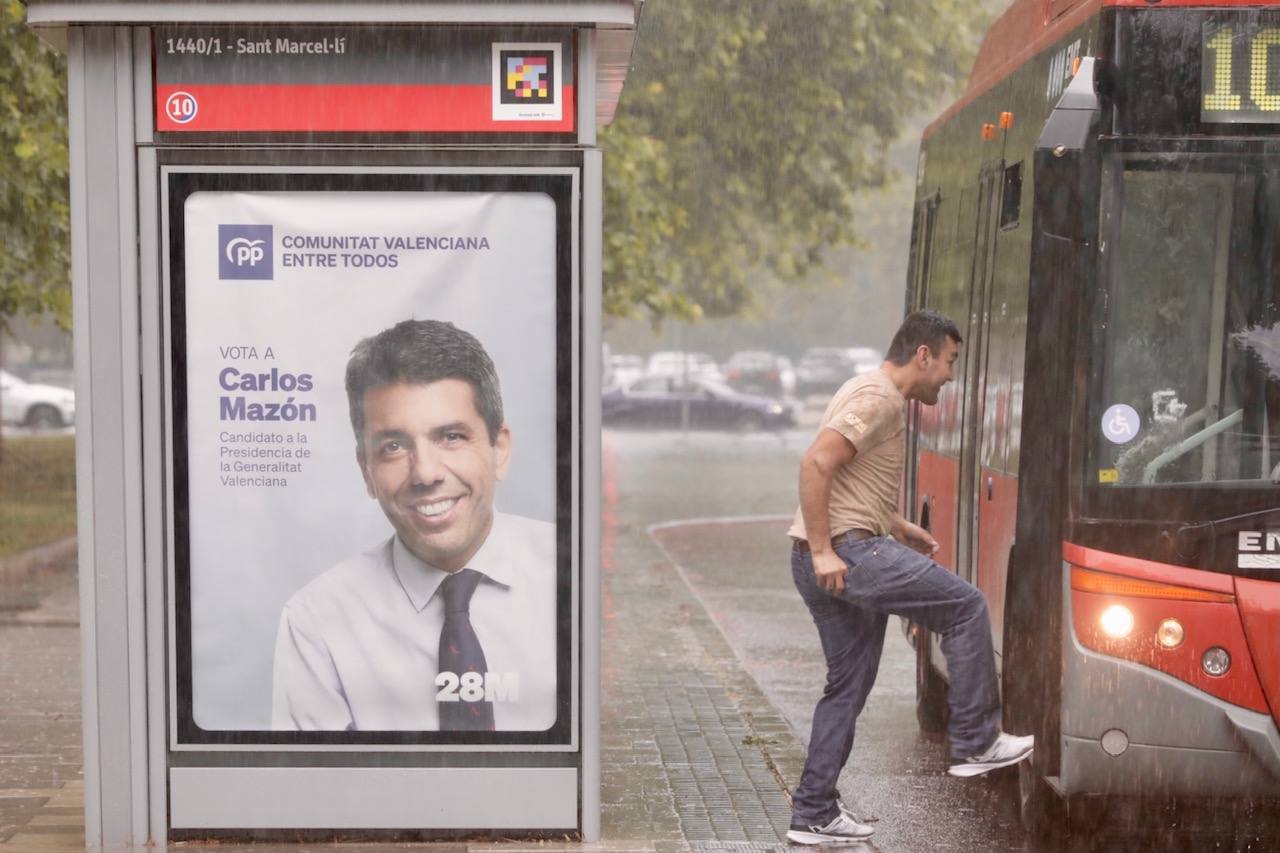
(371, 417)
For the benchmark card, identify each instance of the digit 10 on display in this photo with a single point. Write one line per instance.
(1240, 73)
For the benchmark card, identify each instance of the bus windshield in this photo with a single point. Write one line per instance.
(1186, 377)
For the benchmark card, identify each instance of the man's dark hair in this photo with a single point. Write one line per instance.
(921, 328)
(419, 352)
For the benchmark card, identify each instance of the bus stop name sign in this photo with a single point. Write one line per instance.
(317, 79)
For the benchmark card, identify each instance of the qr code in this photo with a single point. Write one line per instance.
(528, 77)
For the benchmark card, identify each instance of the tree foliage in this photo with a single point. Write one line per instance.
(34, 208)
(747, 129)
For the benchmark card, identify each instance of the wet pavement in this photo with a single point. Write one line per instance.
(732, 550)
(711, 667)
(41, 788)
(896, 777)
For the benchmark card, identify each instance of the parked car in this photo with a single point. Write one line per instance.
(825, 369)
(760, 372)
(623, 370)
(685, 365)
(865, 360)
(660, 402)
(35, 405)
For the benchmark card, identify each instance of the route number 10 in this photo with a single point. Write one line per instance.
(1223, 97)
(181, 107)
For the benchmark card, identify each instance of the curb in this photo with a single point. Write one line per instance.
(32, 560)
(780, 747)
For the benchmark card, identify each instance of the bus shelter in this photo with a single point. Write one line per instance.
(336, 273)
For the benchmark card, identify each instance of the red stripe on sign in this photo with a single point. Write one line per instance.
(1207, 4)
(318, 109)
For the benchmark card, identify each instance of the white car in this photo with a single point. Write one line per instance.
(685, 365)
(865, 359)
(34, 405)
(623, 370)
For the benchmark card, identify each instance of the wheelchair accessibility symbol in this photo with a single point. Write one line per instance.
(1120, 424)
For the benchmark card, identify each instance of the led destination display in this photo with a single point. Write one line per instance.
(1240, 71)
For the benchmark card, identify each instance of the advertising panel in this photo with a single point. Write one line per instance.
(371, 442)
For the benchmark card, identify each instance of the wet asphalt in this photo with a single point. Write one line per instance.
(719, 504)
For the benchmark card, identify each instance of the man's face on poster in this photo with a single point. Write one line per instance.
(427, 459)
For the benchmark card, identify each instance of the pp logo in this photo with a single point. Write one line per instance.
(244, 252)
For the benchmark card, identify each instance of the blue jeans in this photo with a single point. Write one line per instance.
(885, 577)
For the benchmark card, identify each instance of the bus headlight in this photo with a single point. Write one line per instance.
(1216, 661)
(1117, 622)
(1170, 634)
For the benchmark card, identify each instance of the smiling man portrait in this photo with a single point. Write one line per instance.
(449, 624)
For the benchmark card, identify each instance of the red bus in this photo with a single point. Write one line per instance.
(1100, 213)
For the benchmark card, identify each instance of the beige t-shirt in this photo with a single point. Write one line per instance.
(870, 412)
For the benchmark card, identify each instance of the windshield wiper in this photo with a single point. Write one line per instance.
(1192, 533)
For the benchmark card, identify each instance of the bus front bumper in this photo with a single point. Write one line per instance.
(1168, 738)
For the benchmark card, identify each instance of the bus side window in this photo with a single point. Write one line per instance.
(918, 271)
(913, 262)
(1011, 197)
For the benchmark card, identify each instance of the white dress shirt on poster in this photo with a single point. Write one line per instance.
(357, 647)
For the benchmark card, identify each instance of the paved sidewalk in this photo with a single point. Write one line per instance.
(694, 756)
(41, 789)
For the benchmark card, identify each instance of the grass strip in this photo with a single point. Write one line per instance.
(37, 491)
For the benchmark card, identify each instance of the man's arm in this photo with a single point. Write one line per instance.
(824, 457)
(913, 536)
(306, 690)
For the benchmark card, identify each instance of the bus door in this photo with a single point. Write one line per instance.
(919, 268)
(972, 493)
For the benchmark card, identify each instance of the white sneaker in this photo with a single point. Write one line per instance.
(843, 830)
(1008, 749)
(846, 811)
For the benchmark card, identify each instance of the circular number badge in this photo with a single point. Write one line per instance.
(181, 107)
